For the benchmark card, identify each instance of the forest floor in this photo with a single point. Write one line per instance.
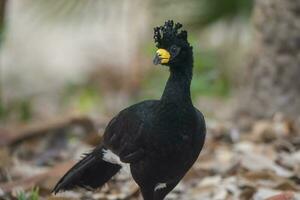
(260, 163)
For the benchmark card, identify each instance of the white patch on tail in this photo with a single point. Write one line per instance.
(110, 157)
(160, 186)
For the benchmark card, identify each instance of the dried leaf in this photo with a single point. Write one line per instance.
(282, 196)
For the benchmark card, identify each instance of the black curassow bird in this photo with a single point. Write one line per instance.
(158, 139)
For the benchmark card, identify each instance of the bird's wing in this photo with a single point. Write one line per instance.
(125, 133)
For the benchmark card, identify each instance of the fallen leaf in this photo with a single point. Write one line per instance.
(282, 196)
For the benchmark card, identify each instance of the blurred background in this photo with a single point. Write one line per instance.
(68, 66)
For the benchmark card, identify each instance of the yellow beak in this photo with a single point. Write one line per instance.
(162, 57)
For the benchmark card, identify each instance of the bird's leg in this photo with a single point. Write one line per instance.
(147, 193)
(160, 194)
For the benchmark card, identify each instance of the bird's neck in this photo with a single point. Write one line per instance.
(177, 89)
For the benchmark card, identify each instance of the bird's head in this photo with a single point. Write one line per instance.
(173, 47)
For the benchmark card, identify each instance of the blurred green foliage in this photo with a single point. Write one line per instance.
(2, 9)
(33, 195)
(20, 110)
(213, 10)
(25, 109)
(200, 13)
(209, 79)
(85, 97)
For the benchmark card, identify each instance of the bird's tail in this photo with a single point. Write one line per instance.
(91, 172)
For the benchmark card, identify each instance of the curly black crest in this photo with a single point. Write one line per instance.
(168, 34)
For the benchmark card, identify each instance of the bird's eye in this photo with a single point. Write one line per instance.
(174, 50)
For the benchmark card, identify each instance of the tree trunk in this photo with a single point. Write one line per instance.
(272, 77)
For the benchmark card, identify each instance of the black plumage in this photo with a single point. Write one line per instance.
(159, 139)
